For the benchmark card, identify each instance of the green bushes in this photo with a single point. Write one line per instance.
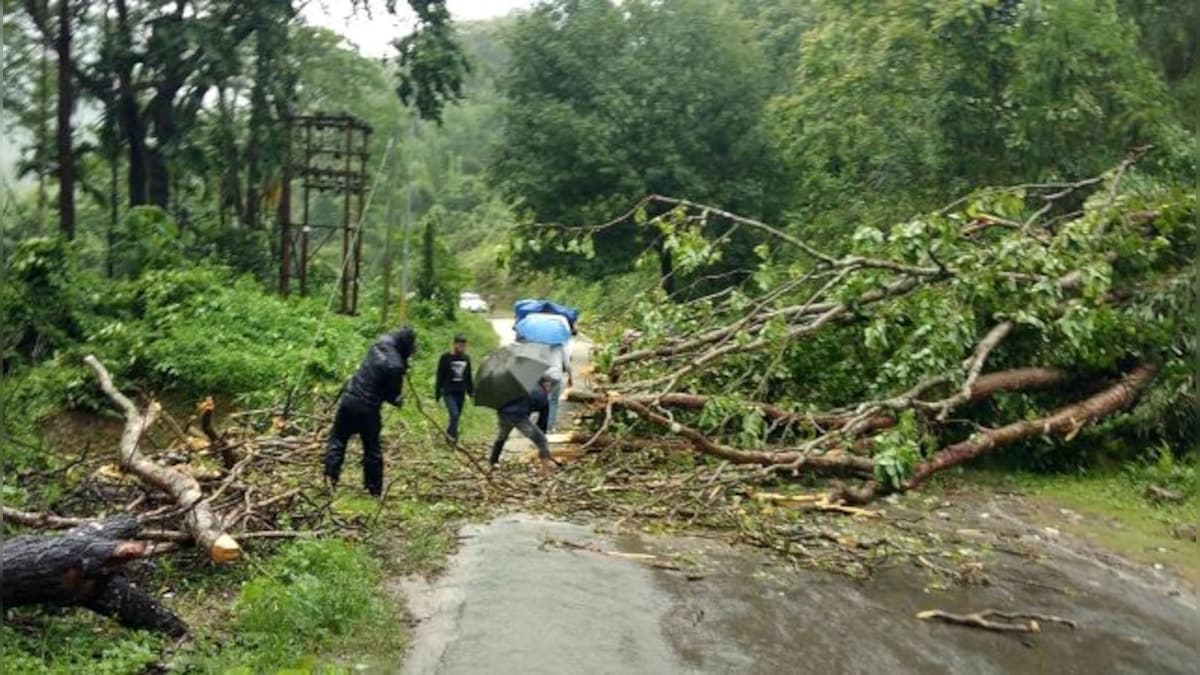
(181, 331)
(69, 641)
(311, 598)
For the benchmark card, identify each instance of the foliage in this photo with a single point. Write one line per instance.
(310, 596)
(148, 240)
(608, 103)
(69, 641)
(432, 64)
(440, 278)
(36, 291)
(898, 450)
(1130, 298)
(894, 109)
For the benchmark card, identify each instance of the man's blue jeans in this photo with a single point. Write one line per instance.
(454, 405)
(555, 394)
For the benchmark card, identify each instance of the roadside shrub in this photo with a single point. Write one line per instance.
(71, 642)
(311, 595)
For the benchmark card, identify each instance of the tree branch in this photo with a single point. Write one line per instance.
(199, 520)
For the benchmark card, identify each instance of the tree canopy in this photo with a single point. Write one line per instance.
(606, 103)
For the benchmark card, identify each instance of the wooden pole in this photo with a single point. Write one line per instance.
(304, 228)
(391, 222)
(359, 216)
(285, 217)
(346, 227)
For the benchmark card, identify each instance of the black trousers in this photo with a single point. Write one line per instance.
(352, 419)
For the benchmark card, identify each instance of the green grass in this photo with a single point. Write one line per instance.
(312, 606)
(1116, 513)
(1119, 517)
(72, 641)
(315, 606)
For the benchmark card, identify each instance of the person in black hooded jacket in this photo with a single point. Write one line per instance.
(378, 380)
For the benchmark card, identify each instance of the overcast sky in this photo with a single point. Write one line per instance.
(374, 35)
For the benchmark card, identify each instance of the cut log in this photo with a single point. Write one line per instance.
(199, 519)
(83, 567)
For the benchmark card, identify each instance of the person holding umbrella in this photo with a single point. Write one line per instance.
(512, 381)
(515, 415)
(554, 331)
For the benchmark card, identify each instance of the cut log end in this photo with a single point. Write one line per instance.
(225, 550)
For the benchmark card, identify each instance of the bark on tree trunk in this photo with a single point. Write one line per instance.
(159, 178)
(1065, 421)
(1018, 379)
(83, 567)
(66, 103)
(666, 270)
(43, 137)
(131, 121)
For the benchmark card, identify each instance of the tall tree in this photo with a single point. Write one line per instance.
(607, 103)
(896, 107)
(427, 282)
(56, 26)
(64, 133)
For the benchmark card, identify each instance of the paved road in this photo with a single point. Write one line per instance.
(513, 602)
(504, 329)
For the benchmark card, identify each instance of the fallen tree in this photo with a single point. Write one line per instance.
(158, 500)
(198, 516)
(84, 567)
(1040, 311)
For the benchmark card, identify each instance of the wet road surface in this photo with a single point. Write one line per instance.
(511, 603)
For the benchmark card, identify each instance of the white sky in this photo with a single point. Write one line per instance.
(374, 35)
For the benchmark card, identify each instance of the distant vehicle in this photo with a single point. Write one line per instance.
(472, 302)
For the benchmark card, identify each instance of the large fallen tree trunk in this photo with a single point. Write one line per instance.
(1065, 422)
(84, 567)
(985, 386)
(201, 523)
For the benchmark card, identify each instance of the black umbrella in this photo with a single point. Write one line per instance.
(510, 373)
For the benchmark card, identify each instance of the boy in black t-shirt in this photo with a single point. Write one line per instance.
(453, 383)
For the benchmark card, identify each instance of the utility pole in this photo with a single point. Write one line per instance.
(393, 160)
(408, 163)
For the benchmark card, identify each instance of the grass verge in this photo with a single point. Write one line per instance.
(1113, 510)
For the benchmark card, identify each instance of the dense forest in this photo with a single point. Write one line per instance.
(801, 219)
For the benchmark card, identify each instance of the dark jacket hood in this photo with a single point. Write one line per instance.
(405, 341)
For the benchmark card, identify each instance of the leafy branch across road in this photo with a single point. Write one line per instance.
(1038, 311)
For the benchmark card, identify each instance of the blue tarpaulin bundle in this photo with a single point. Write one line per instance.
(543, 327)
(523, 308)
